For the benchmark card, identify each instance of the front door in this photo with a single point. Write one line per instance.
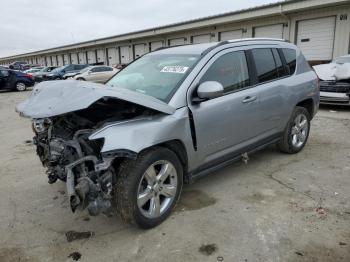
(226, 123)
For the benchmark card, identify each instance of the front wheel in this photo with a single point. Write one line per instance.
(296, 132)
(148, 188)
(20, 86)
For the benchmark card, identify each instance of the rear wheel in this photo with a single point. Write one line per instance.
(297, 132)
(148, 188)
(20, 86)
(81, 79)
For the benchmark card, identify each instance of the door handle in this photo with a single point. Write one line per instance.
(249, 99)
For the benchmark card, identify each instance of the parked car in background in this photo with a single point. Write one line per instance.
(335, 81)
(19, 65)
(33, 70)
(173, 115)
(15, 80)
(59, 72)
(120, 66)
(38, 76)
(70, 75)
(97, 74)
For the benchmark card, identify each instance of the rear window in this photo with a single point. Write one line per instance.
(290, 57)
(265, 64)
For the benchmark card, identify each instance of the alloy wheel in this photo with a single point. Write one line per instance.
(299, 130)
(157, 189)
(20, 86)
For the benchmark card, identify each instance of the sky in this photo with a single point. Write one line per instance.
(27, 26)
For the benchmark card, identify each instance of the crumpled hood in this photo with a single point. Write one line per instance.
(333, 71)
(54, 98)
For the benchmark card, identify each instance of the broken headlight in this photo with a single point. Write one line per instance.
(41, 125)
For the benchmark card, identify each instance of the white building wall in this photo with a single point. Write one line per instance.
(274, 15)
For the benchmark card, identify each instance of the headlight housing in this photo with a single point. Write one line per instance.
(40, 125)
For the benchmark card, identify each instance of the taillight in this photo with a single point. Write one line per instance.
(28, 75)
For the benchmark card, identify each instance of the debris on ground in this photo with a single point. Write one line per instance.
(74, 235)
(299, 253)
(55, 197)
(220, 258)
(320, 210)
(208, 249)
(342, 243)
(86, 218)
(75, 256)
(28, 142)
(245, 158)
(62, 192)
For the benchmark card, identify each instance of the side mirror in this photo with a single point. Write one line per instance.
(210, 89)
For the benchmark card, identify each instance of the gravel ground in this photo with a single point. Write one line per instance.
(277, 207)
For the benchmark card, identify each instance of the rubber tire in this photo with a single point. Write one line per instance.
(81, 79)
(285, 144)
(57, 78)
(20, 90)
(128, 179)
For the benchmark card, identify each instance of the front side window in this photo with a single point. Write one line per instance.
(290, 57)
(265, 64)
(230, 70)
(156, 75)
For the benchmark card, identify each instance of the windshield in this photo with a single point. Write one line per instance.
(342, 60)
(155, 75)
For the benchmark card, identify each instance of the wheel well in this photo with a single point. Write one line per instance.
(175, 146)
(179, 149)
(308, 104)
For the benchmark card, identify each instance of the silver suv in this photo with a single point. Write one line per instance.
(170, 117)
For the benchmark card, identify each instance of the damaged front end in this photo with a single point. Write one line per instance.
(63, 144)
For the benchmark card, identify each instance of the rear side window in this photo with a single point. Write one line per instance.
(265, 65)
(280, 67)
(230, 70)
(290, 57)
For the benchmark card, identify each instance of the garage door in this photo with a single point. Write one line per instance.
(125, 56)
(177, 41)
(100, 56)
(156, 44)
(315, 38)
(140, 50)
(48, 61)
(65, 59)
(54, 60)
(229, 35)
(59, 60)
(91, 57)
(112, 56)
(42, 61)
(82, 57)
(270, 31)
(201, 39)
(74, 58)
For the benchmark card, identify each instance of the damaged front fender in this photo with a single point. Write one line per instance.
(131, 137)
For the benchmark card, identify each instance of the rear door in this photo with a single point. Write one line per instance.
(272, 86)
(224, 124)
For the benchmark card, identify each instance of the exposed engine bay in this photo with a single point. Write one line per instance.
(63, 146)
